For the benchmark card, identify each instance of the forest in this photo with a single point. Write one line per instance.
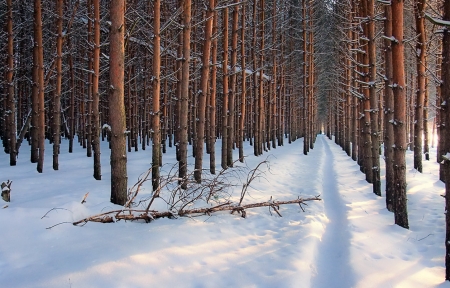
(189, 75)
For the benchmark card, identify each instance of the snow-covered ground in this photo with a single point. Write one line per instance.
(346, 240)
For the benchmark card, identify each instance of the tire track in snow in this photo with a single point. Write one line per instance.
(333, 267)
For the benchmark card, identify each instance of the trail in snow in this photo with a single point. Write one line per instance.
(333, 265)
(347, 240)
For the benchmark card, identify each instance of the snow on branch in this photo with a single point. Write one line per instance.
(437, 21)
(384, 2)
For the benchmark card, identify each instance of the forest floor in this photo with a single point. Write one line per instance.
(346, 240)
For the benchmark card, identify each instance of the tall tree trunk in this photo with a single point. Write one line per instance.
(375, 132)
(95, 93)
(445, 133)
(256, 128)
(156, 123)
(421, 47)
(233, 80)
(388, 109)
(368, 160)
(225, 107)
(400, 145)
(261, 79)
(242, 115)
(72, 97)
(212, 108)
(426, 134)
(203, 92)
(89, 99)
(116, 103)
(57, 96)
(40, 84)
(305, 81)
(10, 106)
(184, 109)
(273, 100)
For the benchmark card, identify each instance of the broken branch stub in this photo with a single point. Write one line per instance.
(6, 190)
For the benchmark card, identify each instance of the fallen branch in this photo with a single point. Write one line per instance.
(148, 216)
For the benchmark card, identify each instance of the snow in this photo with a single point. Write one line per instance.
(446, 156)
(106, 126)
(346, 240)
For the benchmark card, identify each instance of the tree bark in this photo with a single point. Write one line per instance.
(95, 92)
(233, 79)
(40, 124)
(212, 108)
(203, 92)
(388, 109)
(400, 145)
(57, 95)
(10, 106)
(184, 109)
(242, 115)
(225, 91)
(156, 123)
(421, 47)
(445, 133)
(375, 133)
(116, 103)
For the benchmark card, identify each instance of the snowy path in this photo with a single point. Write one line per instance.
(346, 240)
(333, 253)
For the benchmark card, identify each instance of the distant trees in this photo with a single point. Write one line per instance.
(396, 112)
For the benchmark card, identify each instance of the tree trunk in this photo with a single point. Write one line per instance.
(10, 106)
(445, 133)
(375, 134)
(95, 92)
(57, 96)
(212, 108)
(421, 47)
(156, 123)
(40, 85)
(233, 80)
(368, 160)
(388, 109)
(242, 115)
(184, 109)
(203, 92)
(116, 103)
(225, 89)
(400, 145)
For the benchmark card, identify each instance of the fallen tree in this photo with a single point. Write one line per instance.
(147, 216)
(188, 198)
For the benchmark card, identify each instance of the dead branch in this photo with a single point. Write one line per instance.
(84, 198)
(148, 216)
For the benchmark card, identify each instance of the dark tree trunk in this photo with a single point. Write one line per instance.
(388, 110)
(445, 133)
(421, 47)
(9, 81)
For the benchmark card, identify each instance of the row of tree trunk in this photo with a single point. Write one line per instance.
(173, 73)
(361, 121)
